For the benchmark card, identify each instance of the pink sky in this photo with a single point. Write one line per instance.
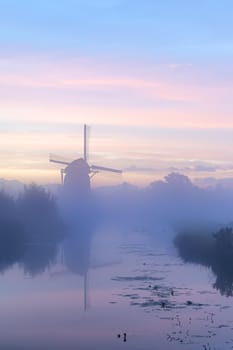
(45, 101)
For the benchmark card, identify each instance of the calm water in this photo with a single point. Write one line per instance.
(134, 285)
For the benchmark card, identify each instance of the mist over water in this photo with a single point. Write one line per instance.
(124, 236)
(36, 224)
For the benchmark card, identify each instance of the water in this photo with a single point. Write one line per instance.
(134, 285)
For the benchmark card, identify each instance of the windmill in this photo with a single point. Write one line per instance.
(77, 174)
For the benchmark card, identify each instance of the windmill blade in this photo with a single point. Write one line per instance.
(57, 159)
(86, 142)
(102, 168)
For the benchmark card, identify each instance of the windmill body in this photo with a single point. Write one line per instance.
(77, 178)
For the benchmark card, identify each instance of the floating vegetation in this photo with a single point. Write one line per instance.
(136, 278)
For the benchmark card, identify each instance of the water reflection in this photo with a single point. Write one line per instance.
(76, 255)
(30, 230)
(150, 298)
(214, 251)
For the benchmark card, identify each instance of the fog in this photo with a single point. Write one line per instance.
(37, 227)
(174, 201)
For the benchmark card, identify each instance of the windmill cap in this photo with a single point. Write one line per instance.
(79, 164)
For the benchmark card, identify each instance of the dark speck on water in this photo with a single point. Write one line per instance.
(124, 337)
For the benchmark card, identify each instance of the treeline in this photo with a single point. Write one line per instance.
(30, 229)
(173, 201)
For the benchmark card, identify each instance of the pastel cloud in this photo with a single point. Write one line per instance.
(80, 76)
(72, 90)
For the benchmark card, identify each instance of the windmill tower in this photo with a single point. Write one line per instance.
(77, 174)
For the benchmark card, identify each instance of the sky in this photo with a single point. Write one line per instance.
(153, 79)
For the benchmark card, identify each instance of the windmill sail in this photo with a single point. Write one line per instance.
(57, 159)
(85, 143)
(103, 168)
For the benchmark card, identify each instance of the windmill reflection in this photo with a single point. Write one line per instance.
(76, 255)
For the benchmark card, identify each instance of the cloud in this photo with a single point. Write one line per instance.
(134, 168)
(203, 168)
(184, 166)
(215, 182)
(83, 76)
